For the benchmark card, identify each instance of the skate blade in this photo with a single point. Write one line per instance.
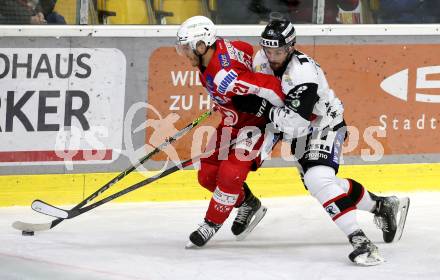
(259, 215)
(403, 212)
(369, 259)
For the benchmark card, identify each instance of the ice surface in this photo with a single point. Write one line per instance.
(296, 240)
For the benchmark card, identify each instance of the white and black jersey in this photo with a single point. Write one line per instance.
(310, 103)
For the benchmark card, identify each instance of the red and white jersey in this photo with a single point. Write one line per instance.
(229, 73)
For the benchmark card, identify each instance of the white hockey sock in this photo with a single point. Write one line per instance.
(348, 222)
(345, 219)
(322, 184)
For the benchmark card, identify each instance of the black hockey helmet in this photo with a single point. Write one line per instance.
(278, 33)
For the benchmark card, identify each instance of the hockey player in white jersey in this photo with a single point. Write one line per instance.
(312, 118)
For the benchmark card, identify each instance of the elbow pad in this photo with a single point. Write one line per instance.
(302, 98)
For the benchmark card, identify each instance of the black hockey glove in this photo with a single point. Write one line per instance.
(252, 104)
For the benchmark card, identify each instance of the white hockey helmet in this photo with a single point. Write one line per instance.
(195, 29)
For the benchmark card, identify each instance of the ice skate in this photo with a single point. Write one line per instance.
(365, 252)
(386, 216)
(249, 214)
(203, 234)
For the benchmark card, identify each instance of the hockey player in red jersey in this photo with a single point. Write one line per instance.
(313, 118)
(225, 71)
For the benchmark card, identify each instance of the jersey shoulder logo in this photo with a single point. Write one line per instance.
(231, 50)
(225, 62)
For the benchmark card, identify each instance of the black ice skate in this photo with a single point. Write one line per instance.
(203, 234)
(386, 216)
(249, 214)
(365, 252)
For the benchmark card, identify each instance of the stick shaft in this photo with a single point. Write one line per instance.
(130, 169)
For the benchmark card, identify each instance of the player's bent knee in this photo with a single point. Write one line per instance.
(207, 177)
(318, 178)
(232, 174)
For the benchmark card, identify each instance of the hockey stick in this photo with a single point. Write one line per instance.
(45, 208)
(48, 209)
(51, 210)
(61, 214)
(22, 226)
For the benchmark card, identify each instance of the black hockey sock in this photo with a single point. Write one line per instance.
(338, 206)
(356, 191)
(247, 191)
(361, 197)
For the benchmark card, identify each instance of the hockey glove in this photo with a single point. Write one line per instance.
(252, 104)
